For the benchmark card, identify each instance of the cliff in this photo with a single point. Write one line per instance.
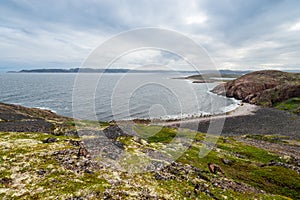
(266, 88)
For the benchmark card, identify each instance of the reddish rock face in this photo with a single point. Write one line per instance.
(262, 87)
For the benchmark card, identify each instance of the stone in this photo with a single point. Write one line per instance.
(50, 140)
(41, 172)
(213, 168)
(113, 132)
(82, 152)
(226, 161)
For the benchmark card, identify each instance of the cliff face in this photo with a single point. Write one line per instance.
(262, 87)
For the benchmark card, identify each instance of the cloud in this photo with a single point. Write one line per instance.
(254, 34)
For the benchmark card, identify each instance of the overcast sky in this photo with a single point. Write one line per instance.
(237, 34)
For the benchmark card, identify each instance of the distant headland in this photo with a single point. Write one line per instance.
(116, 70)
(94, 70)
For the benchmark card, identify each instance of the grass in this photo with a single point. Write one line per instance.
(87, 124)
(156, 134)
(292, 105)
(272, 179)
(269, 138)
(249, 152)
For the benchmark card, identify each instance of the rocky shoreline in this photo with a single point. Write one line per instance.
(248, 119)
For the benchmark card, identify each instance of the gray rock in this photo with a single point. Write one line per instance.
(50, 140)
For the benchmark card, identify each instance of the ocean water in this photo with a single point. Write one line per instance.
(114, 96)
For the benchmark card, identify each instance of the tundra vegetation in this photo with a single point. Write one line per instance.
(56, 163)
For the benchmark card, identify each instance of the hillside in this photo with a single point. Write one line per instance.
(266, 88)
(47, 161)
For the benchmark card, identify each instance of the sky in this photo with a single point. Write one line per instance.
(236, 34)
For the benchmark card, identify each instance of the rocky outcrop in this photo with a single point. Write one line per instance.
(265, 87)
(113, 132)
(16, 118)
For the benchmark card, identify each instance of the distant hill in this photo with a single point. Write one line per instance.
(92, 70)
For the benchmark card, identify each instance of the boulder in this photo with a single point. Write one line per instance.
(113, 132)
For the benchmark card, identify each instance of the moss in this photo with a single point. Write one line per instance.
(272, 179)
(156, 134)
(292, 105)
(269, 138)
(5, 173)
(63, 182)
(179, 190)
(230, 194)
(90, 123)
(70, 123)
(250, 152)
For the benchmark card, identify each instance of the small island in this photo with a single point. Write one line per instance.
(211, 76)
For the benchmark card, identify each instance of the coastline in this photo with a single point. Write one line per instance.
(243, 109)
(247, 119)
(55, 149)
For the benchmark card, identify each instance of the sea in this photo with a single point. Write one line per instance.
(114, 96)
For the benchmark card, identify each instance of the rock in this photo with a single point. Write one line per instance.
(227, 184)
(41, 172)
(179, 171)
(285, 165)
(50, 140)
(76, 198)
(197, 188)
(205, 81)
(239, 156)
(88, 171)
(119, 144)
(265, 87)
(82, 152)
(16, 118)
(6, 181)
(113, 132)
(71, 133)
(213, 168)
(226, 161)
(75, 142)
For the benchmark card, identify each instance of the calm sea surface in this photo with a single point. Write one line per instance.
(114, 96)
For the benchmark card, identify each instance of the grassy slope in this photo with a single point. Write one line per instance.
(23, 155)
(291, 105)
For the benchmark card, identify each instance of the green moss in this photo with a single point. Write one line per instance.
(5, 173)
(156, 134)
(69, 183)
(179, 190)
(70, 123)
(230, 194)
(90, 123)
(292, 105)
(272, 179)
(269, 138)
(250, 152)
